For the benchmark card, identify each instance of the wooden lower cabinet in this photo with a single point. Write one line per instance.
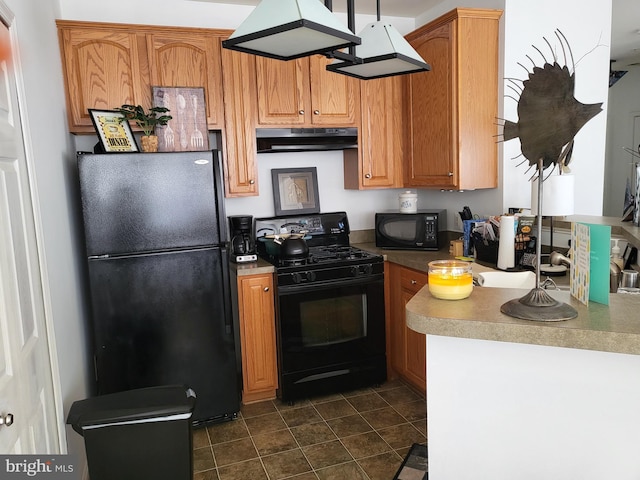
(257, 337)
(407, 352)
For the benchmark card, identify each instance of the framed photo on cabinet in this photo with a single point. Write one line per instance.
(113, 131)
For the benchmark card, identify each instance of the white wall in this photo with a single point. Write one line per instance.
(587, 27)
(51, 152)
(506, 411)
(624, 104)
(360, 206)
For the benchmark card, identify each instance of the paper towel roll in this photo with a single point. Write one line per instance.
(507, 244)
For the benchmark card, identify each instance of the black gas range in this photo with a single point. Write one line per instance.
(330, 257)
(330, 323)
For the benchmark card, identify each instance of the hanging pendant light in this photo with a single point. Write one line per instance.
(382, 53)
(288, 29)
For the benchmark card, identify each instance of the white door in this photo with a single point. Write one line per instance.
(29, 418)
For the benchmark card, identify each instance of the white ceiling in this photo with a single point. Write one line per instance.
(625, 36)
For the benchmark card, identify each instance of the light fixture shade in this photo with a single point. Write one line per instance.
(558, 192)
(383, 52)
(288, 29)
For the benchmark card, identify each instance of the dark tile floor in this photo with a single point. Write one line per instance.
(359, 435)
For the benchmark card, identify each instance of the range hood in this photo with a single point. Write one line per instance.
(271, 140)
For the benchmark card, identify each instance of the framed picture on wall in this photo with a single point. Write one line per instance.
(187, 131)
(295, 190)
(113, 131)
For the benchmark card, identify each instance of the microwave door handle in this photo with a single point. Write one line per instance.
(422, 231)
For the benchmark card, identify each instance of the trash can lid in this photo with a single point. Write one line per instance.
(132, 406)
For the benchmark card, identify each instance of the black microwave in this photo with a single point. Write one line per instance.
(423, 230)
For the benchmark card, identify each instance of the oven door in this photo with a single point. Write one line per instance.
(331, 335)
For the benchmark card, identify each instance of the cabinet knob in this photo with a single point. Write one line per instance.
(316, 112)
(251, 182)
(300, 112)
(6, 419)
(451, 174)
(266, 289)
(413, 282)
(368, 175)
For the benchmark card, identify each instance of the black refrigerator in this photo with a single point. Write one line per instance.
(157, 259)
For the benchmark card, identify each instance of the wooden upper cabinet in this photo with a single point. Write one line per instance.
(101, 70)
(452, 110)
(239, 140)
(182, 59)
(334, 97)
(283, 91)
(377, 163)
(106, 65)
(303, 93)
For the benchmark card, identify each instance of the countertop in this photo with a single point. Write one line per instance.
(251, 268)
(608, 328)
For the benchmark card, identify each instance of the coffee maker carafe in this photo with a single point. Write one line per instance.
(243, 247)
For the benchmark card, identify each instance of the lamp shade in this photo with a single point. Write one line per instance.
(383, 53)
(558, 192)
(288, 29)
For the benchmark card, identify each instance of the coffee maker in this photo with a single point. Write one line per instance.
(243, 246)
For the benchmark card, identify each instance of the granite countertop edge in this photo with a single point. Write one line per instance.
(613, 328)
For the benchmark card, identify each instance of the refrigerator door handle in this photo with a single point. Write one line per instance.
(226, 287)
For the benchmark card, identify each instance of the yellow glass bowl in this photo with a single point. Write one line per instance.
(450, 279)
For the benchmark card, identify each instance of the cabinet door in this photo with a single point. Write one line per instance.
(239, 138)
(377, 163)
(407, 348)
(431, 110)
(257, 337)
(184, 59)
(101, 70)
(415, 352)
(334, 97)
(283, 91)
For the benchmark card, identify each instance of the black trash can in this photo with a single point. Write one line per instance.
(143, 433)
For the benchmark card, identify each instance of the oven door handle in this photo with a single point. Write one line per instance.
(305, 287)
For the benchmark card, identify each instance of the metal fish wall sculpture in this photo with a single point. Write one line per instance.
(549, 116)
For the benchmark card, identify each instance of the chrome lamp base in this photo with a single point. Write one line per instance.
(540, 306)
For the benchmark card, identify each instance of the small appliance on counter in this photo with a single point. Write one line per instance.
(422, 230)
(243, 246)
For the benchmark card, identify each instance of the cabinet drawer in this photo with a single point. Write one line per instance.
(412, 280)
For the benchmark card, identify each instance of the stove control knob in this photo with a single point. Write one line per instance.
(355, 271)
(311, 276)
(367, 269)
(296, 277)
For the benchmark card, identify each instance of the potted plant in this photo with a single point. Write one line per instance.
(147, 121)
